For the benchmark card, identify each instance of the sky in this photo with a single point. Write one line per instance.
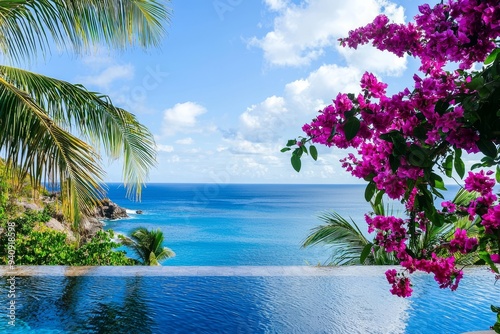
(233, 80)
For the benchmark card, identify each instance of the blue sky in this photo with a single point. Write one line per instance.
(234, 79)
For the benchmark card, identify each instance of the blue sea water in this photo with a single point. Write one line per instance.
(244, 225)
(239, 224)
(354, 301)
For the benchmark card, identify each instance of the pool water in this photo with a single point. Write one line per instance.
(251, 300)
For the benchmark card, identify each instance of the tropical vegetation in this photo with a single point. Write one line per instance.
(147, 245)
(349, 246)
(406, 143)
(36, 244)
(53, 130)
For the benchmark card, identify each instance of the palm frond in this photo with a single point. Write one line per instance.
(464, 197)
(148, 245)
(28, 27)
(94, 117)
(345, 237)
(36, 145)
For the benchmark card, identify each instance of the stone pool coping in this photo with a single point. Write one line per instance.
(207, 271)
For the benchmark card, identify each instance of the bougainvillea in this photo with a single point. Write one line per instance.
(408, 141)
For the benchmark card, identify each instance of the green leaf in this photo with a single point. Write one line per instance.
(437, 193)
(364, 254)
(477, 165)
(484, 255)
(441, 107)
(291, 142)
(420, 132)
(370, 191)
(284, 149)
(437, 181)
(394, 162)
(487, 147)
(334, 131)
(398, 141)
(448, 165)
(476, 82)
(419, 157)
(378, 199)
(298, 152)
(296, 163)
(304, 149)
(491, 58)
(497, 174)
(314, 152)
(495, 309)
(459, 164)
(351, 128)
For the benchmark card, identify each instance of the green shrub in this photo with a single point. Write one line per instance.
(35, 244)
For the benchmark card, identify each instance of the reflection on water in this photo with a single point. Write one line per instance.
(244, 304)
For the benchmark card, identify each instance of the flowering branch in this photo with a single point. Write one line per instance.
(407, 141)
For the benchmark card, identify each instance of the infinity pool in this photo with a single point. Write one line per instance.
(239, 300)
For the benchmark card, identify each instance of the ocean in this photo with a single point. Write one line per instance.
(242, 225)
(239, 224)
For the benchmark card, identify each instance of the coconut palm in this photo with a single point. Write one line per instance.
(347, 241)
(148, 246)
(53, 130)
(350, 246)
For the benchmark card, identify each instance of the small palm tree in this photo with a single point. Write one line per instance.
(347, 241)
(148, 246)
(350, 246)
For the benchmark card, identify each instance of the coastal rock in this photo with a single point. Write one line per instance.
(30, 206)
(89, 226)
(59, 226)
(139, 212)
(110, 210)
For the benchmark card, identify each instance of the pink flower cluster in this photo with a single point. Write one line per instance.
(391, 232)
(401, 285)
(400, 138)
(457, 31)
(480, 182)
(444, 270)
(461, 243)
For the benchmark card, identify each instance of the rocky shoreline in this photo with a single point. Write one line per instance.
(89, 225)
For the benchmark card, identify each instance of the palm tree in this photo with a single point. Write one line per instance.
(49, 127)
(148, 246)
(347, 241)
(350, 246)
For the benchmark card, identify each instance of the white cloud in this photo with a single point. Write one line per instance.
(303, 32)
(182, 117)
(261, 121)
(276, 5)
(164, 148)
(243, 146)
(369, 59)
(268, 121)
(321, 86)
(110, 74)
(185, 141)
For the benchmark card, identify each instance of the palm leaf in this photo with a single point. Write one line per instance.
(345, 238)
(94, 117)
(36, 145)
(148, 245)
(28, 27)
